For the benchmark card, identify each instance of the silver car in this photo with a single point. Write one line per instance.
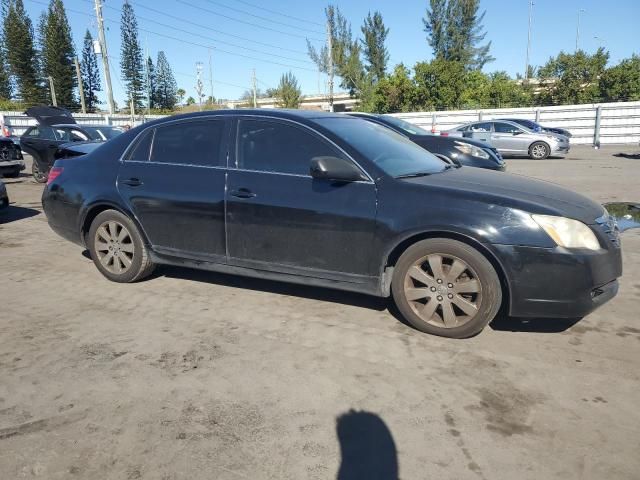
(513, 139)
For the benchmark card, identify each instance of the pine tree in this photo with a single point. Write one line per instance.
(58, 54)
(151, 84)
(90, 74)
(131, 57)
(288, 91)
(6, 89)
(375, 50)
(21, 52)
(166, 85)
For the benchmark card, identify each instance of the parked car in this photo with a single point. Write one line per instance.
(513, 139)
(56, 126)
(536, 127)
(11, 161)
(4, 197)
(462, 151)
(335, 201)
(76, 149)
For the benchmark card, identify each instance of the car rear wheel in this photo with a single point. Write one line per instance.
(117, 248)
(539, 150)
(38, 175)
(447, 288)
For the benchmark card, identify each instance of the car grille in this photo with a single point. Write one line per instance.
(9, 152)
(609, 227)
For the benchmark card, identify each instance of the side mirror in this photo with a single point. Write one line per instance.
(518, 132)
(334, 168)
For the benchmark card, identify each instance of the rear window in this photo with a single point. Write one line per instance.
(189, 143)
(45, 133)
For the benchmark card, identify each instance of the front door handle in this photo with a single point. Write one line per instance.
(242, 193)
(133, 182)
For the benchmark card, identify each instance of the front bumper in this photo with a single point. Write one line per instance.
(556, 282)
(12, 165)
(560, 148)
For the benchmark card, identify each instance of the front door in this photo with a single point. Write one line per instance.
(507, 138)
(173, 180)
(281, 219)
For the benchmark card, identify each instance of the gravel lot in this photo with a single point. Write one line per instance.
(195, 375)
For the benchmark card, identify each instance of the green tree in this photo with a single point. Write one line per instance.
(20, 51)
(439, 84)
(131, 56)
(573, 78)
(288, 91)
(151, 84)
(191, 101)
(180, 93)
(476, 90)
(621, 82)
(90, 74)
(373, 45)
(58, 53)
(166, 86)
(505, 92)
(6, 89)
(394, 93)
(454, 32)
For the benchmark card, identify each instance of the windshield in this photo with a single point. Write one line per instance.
(530, 124)
(406, 126)
(394, 154)
(102, 133)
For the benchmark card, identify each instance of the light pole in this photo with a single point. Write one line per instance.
(580, 11)
(526, 67)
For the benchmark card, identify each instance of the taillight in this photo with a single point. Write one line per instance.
(53, 174)
(444, 134)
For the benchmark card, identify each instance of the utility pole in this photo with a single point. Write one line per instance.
(148, 79)
(526, 67)
(199, 86)
(211, 75)
(105, 55)
(80, 87)
(330, 64)
(53, 92)
(582, 10)
(253, 86)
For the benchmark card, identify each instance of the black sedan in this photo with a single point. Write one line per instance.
(463, 151)
(335, 201)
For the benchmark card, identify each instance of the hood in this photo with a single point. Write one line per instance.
(50, 116)
(515, 191)
(451, 140)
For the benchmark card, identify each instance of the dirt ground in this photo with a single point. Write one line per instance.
(195, 375)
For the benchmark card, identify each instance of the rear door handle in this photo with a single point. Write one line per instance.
(133, 182)
(242, 193)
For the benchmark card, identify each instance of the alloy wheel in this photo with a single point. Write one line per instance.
(443, 290)
(538, 151)
(114, 247)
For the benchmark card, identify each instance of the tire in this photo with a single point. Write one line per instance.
(539, 150)
(463, 286)
(38, 175)
(121, 257)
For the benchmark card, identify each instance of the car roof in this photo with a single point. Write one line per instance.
(76, 125)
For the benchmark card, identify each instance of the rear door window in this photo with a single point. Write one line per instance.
(189, 143)
(480, 127)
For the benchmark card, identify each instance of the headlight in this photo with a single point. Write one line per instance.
(471, 150)
(567, 232)
(553, 137)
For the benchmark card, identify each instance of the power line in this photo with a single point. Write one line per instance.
(259, 17)
(278, 13)
(247, 23)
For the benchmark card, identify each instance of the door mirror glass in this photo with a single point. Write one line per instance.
(334, 168)
(517, 132)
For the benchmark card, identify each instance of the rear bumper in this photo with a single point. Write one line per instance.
(556, 282)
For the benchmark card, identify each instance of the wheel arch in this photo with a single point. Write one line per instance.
(92, 211)
(394, 253)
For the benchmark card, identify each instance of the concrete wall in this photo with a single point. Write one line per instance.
(619, 122)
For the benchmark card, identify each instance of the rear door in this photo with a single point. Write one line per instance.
(173, 179)
(281, 219)
(479, 131)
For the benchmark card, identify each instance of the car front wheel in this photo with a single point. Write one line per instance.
(447, 288)
(117, 248)
(539, 150)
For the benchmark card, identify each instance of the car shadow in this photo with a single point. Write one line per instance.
(505, 323)
(13, 214)
(632, 156)
(367, 448)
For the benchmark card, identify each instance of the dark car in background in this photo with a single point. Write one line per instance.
(55, 128)
(536, 127)
(11, 161)
(465, 151)
(4, 197)
(335, 201)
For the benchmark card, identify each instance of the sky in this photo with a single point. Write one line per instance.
(270, 35)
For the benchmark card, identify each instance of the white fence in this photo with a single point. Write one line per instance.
(19, 122)
(618, 122)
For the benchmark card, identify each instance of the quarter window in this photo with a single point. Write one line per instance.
(277, 147)
(142, 147)
(189, 143)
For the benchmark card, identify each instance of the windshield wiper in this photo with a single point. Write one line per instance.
(415, 174)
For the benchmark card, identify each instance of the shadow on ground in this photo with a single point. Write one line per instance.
(534, 325)
(366, 447)
(632, 156)
(13, 214)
